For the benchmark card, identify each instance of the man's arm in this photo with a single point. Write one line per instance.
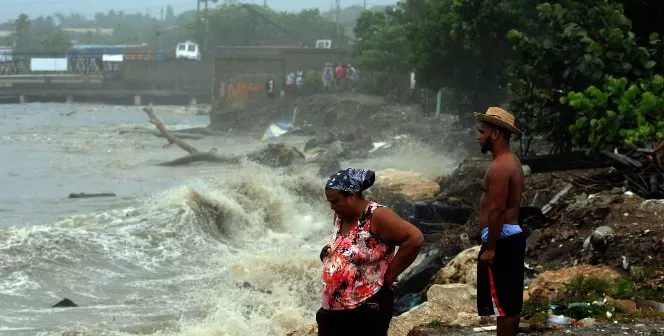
(498, 179)
(393, 230)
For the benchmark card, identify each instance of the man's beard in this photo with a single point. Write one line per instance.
(486, 146)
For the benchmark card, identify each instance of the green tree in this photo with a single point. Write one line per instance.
(461, 45)
(618, 114)
(25, 42)
(577, 45)
(382, 50)
(56, 43)
(247, 25)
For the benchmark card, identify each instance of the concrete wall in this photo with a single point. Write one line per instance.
(241, 78)
(246, 69)
(167, 74)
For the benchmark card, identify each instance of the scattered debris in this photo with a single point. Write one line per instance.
(86, 195)
(640, 170)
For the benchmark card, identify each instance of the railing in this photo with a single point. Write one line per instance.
(81, 64)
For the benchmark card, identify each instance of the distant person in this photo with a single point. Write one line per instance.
(299, 79)
(328, 77)
(290, 83)
(360, 267)
(501, 258)
(340, 75)
(353, 77)
(269, 88)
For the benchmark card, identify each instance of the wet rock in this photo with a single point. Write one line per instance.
(417, 278)
(391, 183)
(277, 155)
(65, 303)
(462, 269)
(452, 304)
(320, 140)
(547, 284)
(307, 330)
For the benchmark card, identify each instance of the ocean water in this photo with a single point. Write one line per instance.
(223, 249)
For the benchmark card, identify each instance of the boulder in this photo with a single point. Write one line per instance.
(462, 269)
(453, 304)
(547, 285)
(392, 183)
(277, 155)
(307, 330)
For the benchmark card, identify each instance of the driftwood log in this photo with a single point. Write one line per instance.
(169, 136)
(194, 154)
(274, 155)
(86, 195)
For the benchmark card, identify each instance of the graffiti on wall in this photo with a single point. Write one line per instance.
(238, 92)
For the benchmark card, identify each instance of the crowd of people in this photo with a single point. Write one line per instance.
(339, 77)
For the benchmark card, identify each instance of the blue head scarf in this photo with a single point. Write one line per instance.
(351, 180)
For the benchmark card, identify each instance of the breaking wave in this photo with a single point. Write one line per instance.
(229, 255)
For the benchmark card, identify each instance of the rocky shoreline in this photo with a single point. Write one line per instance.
(572, 234)
(576, 226)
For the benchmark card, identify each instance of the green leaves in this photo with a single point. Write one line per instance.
(620, 114)
(576, 46)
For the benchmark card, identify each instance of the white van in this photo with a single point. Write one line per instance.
(188, 50)
(323, 44)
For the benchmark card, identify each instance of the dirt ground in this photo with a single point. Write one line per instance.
(639, 327)
(556, 240)
(347, 115)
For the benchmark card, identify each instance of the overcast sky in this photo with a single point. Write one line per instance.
(10, 9)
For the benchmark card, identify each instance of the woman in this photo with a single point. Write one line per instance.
(360, 267)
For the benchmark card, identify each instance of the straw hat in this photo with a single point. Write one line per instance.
(498, 117)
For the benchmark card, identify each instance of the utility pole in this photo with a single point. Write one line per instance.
(207, 25)
(337, 13)
(162, 14)
(365, 4)
(198, 21)
(265, 3)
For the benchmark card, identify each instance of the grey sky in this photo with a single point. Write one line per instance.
(12, 8)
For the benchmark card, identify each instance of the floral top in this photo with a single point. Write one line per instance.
(354, 265)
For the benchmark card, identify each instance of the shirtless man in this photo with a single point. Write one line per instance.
(501, 258)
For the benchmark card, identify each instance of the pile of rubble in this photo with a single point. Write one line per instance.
(599, 223)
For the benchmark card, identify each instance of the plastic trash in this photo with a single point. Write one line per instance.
(559, 319)
(586, 322)
(526, 170)
(578, 304)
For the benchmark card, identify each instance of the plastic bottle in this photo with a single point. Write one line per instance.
(559, 320)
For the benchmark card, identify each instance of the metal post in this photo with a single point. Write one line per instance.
(439, 98)
(198, 21)
(205, 45)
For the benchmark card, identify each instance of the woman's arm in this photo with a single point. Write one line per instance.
(393, 230)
